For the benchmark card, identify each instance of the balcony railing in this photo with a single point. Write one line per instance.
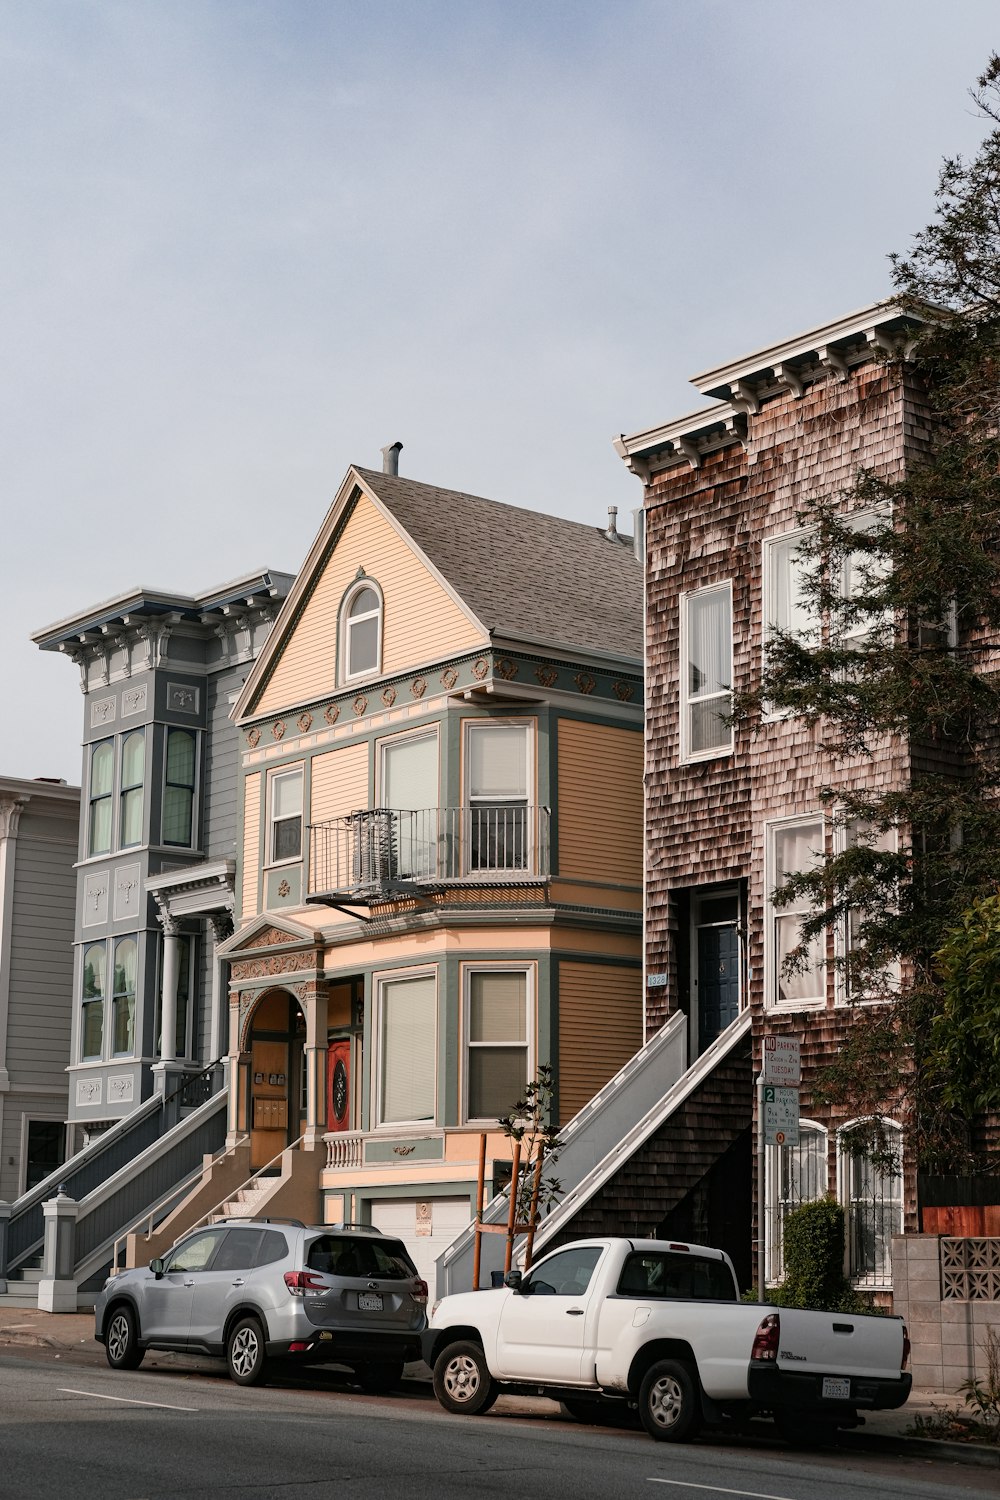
(344, 1148)
(379, 848)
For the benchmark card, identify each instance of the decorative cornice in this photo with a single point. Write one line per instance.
(11, 809)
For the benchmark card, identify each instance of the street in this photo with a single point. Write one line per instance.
(185, 1431)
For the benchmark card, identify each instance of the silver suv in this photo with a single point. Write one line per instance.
(256, 1290)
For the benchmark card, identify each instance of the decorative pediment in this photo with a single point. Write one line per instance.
(264, 933)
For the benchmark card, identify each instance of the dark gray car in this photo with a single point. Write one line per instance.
(252, 1291)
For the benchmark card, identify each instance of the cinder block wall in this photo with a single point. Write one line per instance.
(947, 1337)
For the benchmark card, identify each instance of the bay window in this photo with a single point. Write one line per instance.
(133, 776)
(102, 781)
(178, 788)
(497, 778)
(407, 1072)
(497, 1042)
(123, 999)
(92, 1018)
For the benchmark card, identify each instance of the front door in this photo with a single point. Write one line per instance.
(269, 1089)
(338, 1085)
(715, 963)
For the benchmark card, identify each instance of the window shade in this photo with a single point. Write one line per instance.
(498, 761)
(408, 1041)
(497, 1008)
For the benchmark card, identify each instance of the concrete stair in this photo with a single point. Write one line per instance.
(22, 1285)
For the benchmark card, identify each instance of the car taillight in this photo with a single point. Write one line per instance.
(420, 1293)
(906, 1349)
(300, 1282)
(765, 1345)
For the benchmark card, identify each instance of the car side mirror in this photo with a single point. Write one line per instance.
(515, 1280)
(156, 1266)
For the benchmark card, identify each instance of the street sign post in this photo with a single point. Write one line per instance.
(781, 1116)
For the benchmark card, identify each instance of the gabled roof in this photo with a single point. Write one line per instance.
(522, 573)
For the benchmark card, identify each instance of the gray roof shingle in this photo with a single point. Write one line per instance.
(523, 573)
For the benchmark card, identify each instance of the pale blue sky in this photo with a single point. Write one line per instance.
(245, 244)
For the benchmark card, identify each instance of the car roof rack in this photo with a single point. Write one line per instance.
(354, 1224)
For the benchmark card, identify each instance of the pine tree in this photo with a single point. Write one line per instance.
(913, 652)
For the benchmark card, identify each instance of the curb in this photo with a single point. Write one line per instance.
(977, 1455)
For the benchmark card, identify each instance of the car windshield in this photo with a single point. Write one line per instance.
(349, 1255)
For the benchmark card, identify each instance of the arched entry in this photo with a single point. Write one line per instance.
(276, 1042)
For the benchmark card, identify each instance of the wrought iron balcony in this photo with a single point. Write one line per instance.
(381, 849)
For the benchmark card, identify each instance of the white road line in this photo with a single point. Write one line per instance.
(126, 1400)
(717, 1489)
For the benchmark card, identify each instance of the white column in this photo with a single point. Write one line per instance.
(221, 924)
(171, 969)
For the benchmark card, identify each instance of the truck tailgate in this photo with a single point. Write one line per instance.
(840, 1343)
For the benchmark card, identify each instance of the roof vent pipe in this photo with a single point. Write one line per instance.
(612, 531)
(390, 458)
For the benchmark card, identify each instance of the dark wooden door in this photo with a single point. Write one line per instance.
(718, 981)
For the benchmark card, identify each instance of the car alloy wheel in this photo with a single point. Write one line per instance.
(245, 1352)
(121, 1341)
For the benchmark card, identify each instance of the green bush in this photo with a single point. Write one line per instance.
(814, 1261)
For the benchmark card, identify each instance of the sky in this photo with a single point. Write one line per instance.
(245, 243)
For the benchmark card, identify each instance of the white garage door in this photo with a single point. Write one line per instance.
(438, 1219)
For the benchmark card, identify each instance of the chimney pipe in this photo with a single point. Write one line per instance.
(612, 531)
(390, 458)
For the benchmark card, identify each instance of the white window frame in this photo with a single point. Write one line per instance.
(380, 981)
(277, 774)
(772, 913)
(861, 520)
(769, 575)
(687, 755)
(139, 787)
(841, 943)
(111, 796)
(475, 726)
(427, 826)
(466, 1042)
(876, 1280)
(83, 1057)
(777, 1209)
(344, 673)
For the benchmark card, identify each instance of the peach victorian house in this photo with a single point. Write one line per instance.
(440, 858)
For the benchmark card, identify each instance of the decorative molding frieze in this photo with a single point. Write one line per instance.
(183, 699)
(89, 1091)
(134, 700)
(121, 1088)
(128, 884)
(271, 937)
(278, 963)
(95, 899)
(103, 711)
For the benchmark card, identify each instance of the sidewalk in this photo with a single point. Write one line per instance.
(26, 1327)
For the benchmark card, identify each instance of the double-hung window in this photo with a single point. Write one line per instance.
(851, 984)
(788, 608)
(178, 788)
(286, 816)
(861, 572)
(498, 1041)
(706, 672)
(102, 783)
(497, 789)
(123, 999)
(407, 1073)
(797, 969)
(92, 1017)
(133, 776)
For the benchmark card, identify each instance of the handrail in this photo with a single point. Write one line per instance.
(232, 1194)
(193, 1078)
(165, 1203)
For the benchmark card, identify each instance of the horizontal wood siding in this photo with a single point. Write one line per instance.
(339, 782)
(600, 802)
(41, 957)
(422, 622)
(251, 844)
(600, 1028)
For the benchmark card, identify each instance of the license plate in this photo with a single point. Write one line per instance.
(370, 1301)
(836, 1390)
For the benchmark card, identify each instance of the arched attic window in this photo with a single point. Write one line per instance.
(361, 631)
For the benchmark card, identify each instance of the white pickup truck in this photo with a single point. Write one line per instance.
(659, 1325)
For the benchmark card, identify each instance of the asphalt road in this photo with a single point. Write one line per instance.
(71, 1426)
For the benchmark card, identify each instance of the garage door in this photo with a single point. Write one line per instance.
(426, 1226)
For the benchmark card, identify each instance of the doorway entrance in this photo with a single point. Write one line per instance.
(715, 968)
(276, 1066)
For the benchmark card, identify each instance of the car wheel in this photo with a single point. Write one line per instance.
(121, 1339)
(669, 1403)
(462, 1380)
(379, 1379)
(245, 1354)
